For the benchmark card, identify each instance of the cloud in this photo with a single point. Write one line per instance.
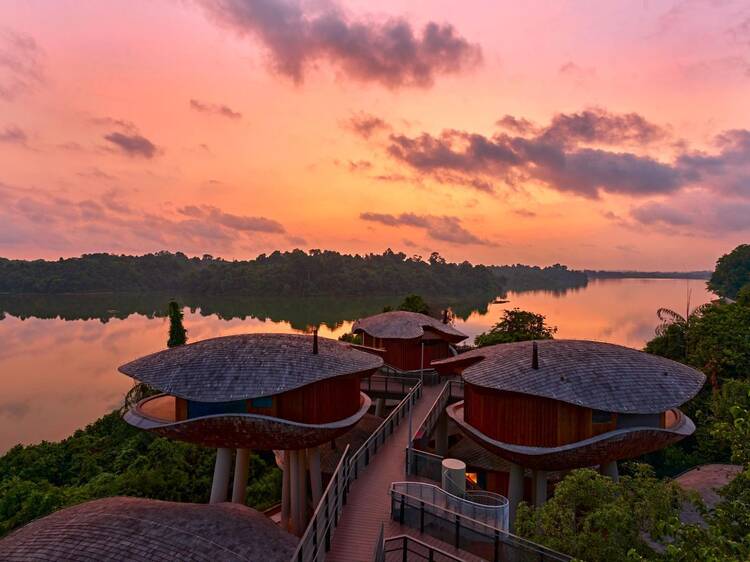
(578, 74)
(34, 219)
(215, 109)
(697, 211)
(231, 221)
(366, 125)
(20, 64)
(13, 135)
(572, 154)
(601, 126)
(388, 52)
(517, 125)
(359, 165)
(134, 144)
(443, 228)
(14, 410)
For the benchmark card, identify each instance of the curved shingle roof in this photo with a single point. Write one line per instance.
(247, 366)
(401, 324)
(592, 374)
(126, 529)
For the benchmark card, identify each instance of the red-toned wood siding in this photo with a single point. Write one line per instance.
(525, 420)
(407, 354)
(180, 409)
(321, 402)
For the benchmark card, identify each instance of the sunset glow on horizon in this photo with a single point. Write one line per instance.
(607, 135)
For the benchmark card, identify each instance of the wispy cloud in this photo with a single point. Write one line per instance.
(132, 144)
(13, 135)
(442, 228)
(215, 109)
(21, 68)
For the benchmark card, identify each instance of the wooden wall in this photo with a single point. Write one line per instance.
(407, 354)
(321, 402)
(525, 420)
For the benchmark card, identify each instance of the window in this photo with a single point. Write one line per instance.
(262, 402)
(600, 416)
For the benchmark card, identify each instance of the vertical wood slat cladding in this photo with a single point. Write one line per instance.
(321, 402)
(407, 354)
(180, 409)
(525, 420)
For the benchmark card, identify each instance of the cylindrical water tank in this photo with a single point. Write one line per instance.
(454, 477)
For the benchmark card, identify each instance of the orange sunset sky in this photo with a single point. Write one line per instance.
(598, 134)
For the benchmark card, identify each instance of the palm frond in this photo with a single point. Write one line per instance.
(667, 315)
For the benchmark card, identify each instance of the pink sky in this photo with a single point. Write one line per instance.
(235, 127)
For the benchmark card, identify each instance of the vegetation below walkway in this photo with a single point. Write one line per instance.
(112, 458)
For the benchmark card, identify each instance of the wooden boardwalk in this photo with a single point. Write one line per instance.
(369, 502)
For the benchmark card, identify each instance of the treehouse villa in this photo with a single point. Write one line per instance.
(395, 447)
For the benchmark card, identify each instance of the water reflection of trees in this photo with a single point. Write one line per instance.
(298, 312)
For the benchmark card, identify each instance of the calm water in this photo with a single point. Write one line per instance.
(59, 355)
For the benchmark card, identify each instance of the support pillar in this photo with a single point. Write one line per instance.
(380, 407)
(302, 484)
(296, 500)
(285, 491)
(610, 469)
(515, 492)
(316, 480)
(221, 475)
(540, 487)
(241, 469)
(441, 435)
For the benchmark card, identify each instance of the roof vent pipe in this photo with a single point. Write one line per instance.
(534, 356)
(315, 340)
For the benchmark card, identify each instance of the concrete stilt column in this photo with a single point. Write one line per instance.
(316, 480)
(296, 501)
(221, 475)
(610, 469)
(285, 491)
(241, 469)
(441, 435)
(515, 492)
(380, 407)
(540, 487)
(302, 486)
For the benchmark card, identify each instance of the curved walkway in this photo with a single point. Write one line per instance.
(369, 503)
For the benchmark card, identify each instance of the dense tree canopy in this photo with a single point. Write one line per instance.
(111, 458)
(295, 273)
(517, 325)
(732, 272)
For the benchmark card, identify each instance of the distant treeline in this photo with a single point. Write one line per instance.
(298, 273)
(556, 277)
(647, 274)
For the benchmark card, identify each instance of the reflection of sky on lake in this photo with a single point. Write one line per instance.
(59, 375)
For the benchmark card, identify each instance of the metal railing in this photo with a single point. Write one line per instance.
(484, 507)
(429, 376)
(369, 448)
(379, 554)
(469, 535)
(316, 540)
(403, 548)
(388, 384)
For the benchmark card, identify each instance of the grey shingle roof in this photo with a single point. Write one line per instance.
(247, 366)
(401, 324)
(592, 374)
(127, 529)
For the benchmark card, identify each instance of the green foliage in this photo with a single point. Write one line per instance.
(669, 342)
(553, 278)
(517, 325)
(295, 273)
(414, 303)
(177, 332)
(743, 296)
(593, 518)
(110, 458)
(351, 338)
(732, 272)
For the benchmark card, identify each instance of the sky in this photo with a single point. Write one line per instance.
(608, 135)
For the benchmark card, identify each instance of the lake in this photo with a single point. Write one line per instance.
(59, 354)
